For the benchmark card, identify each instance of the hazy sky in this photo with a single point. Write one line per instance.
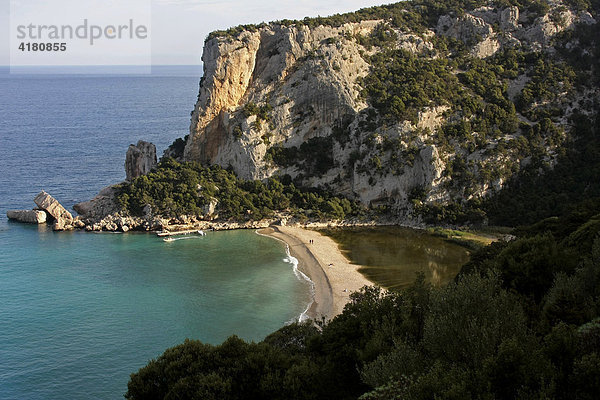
(179, 26)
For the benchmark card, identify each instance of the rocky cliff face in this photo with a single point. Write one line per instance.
(298, 89)
(277, 68)
(140, 159)
(490, 29)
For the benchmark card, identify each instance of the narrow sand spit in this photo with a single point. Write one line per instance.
(333, 275)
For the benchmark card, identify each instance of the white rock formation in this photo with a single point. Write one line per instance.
(303, 83)
(49, 204)
(140, 159)
(28, 216)
(307, 74)
(466, 28)
(475, 28)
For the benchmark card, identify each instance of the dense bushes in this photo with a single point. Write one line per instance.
(313, 157)
(480, 114)
(415, 15)
(509, 131)
(531, 196)
(540, 190)
(401, 83)
(175, 189)
(548, 81)
(486, 335)
(522, 320)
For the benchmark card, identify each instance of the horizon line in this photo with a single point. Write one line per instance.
(104, 65)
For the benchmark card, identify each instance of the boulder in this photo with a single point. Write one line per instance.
(486, 48)
(111, 226)
(546, 27)
(28, 216)
(100, 206)
(467, 28)
(586, 18)
(49, 204)
(140, 159)
(60, 225)
(147, 210)
(210, 208)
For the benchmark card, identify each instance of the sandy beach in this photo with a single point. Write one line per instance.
(333, 275)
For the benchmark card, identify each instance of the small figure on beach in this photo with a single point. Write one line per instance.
(331, 264)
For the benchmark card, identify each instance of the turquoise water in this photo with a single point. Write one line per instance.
(81, 311)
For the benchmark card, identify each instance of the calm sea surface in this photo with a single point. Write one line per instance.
(80, 311)
(393, 256)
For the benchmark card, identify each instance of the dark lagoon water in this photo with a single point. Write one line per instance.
(80, 311)
(392, 256)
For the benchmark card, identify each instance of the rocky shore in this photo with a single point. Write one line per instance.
(48, 210)
(103, 214)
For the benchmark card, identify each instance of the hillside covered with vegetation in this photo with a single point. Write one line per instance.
(521, 320)
(175, 189)
(458, 115)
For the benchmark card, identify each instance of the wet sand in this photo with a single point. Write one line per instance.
(333, 276)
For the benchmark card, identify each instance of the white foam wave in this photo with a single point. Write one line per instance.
(300, 275)
(182, 238)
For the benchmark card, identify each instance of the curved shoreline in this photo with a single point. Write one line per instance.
(333, 277)
(268, 232)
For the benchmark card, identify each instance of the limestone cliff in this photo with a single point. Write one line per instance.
(295, 91)
(140, 159)
(278, 66)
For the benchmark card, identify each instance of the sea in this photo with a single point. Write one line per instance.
(80, 312)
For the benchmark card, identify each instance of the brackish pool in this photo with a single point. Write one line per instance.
(392, 256)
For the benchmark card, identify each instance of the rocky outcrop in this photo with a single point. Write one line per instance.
(287, 85)
(308, 73)
(476, 28)
(49, 210)
(140, 159)
(546, 27)
(49, 204)
(210, 209)
(103, 204)
(62, 218)
(125, 223)
(28, 216)
(466, 28)
(509, 19)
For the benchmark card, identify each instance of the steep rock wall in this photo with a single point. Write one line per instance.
(299, 88)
